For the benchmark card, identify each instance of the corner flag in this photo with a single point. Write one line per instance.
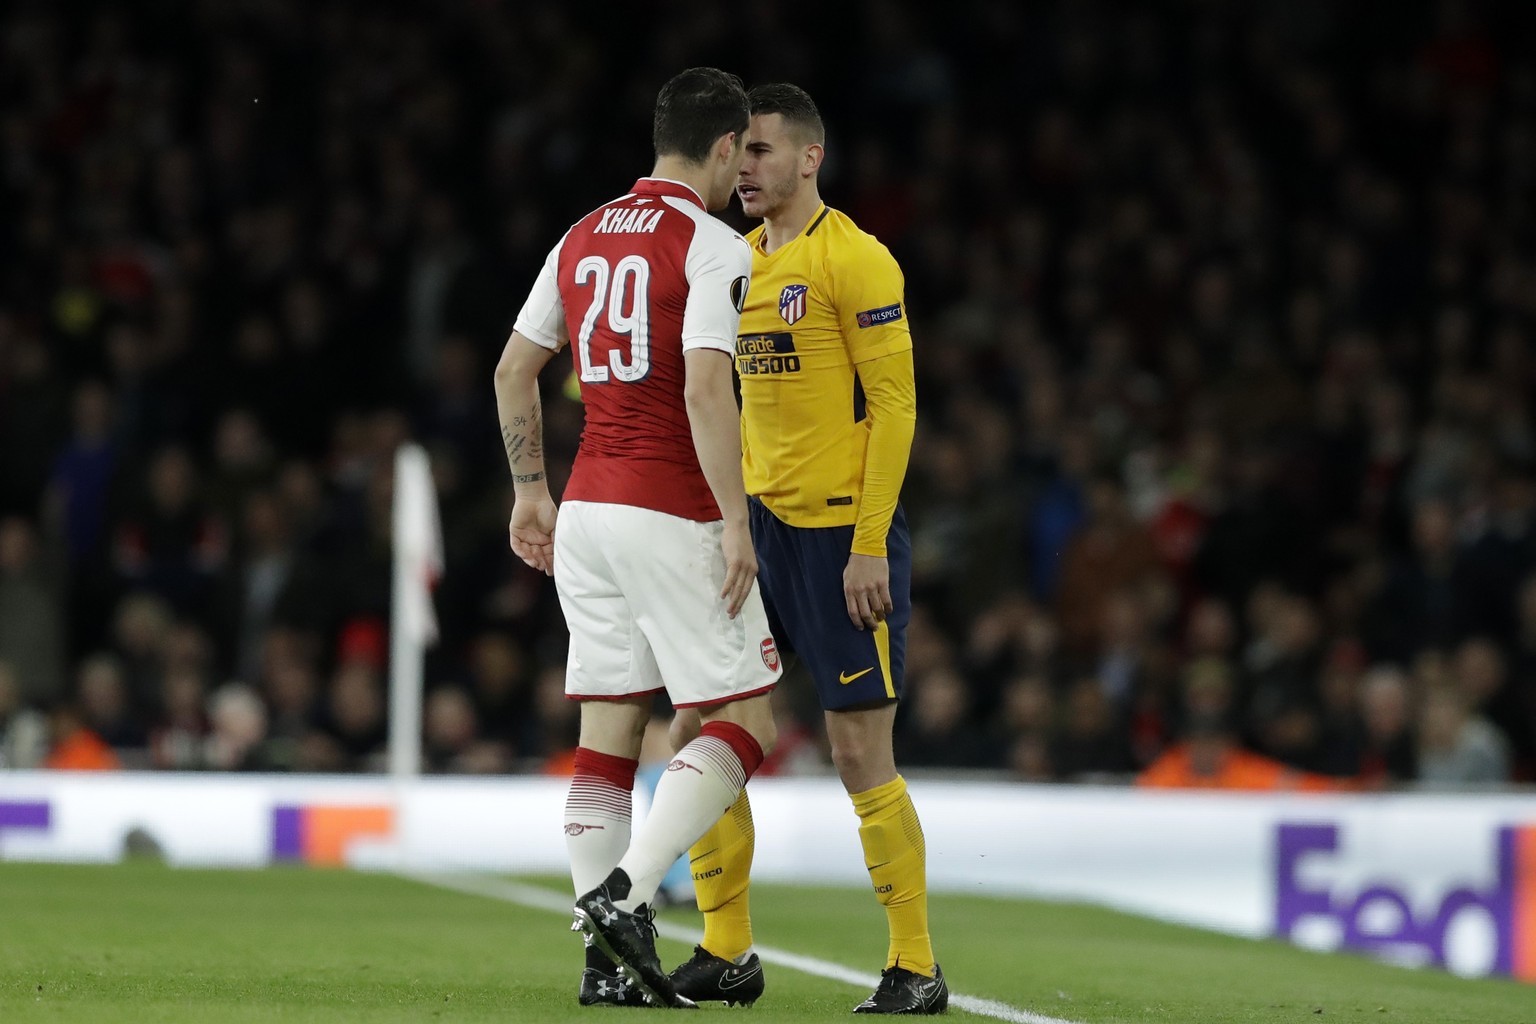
(418, 556)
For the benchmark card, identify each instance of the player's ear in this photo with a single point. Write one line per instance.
(810, 160)
(727, 145)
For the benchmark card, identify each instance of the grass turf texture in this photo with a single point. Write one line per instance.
(147, 943)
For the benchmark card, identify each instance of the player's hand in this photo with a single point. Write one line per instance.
(740, 566)
(867, 589)
(532, 530)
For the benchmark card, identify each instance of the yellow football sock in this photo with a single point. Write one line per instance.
(897, 860)
(722, 866)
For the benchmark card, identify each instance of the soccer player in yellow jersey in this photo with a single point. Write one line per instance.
(828, 411)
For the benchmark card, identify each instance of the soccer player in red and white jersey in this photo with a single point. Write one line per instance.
(653, 557)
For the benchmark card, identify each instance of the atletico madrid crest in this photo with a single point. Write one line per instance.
(792, 302)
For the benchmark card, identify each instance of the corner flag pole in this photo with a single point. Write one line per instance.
(418, 562)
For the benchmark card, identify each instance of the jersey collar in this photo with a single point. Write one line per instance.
(668, 187)
(759, 234)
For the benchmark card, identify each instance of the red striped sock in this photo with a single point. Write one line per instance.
(597, 815)
(747, 749)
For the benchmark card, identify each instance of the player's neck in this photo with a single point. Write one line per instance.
(695, 176)
(785, 225)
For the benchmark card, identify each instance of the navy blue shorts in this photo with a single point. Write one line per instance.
(800, 573)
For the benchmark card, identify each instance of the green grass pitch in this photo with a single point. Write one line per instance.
(146, 943)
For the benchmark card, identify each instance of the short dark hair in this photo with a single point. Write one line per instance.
(793, 104)
(694, 109)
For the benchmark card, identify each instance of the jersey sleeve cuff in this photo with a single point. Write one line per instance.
(719, 345)
(537, 336)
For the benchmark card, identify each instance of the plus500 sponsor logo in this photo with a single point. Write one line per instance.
(1474, 930)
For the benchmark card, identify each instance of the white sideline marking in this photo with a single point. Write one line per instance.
(537, 898)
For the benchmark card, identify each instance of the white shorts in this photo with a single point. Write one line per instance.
(641, 594)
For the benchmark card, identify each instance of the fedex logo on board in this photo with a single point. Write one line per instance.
(1474, 929)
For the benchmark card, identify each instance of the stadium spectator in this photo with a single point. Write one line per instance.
(23, 731)
(1499, 547)
(1065, 463)
(1282, 668)
(1210, 630)
(83, 471)
(1341, 734)
(943, 731)
(34, 404)
(237, 736)
(1128, 654)
(105, 705)
(266, 581)
(1092, 741)
(178, 734)
(1209, 757)
(1423, 604)
(1111, 552)
(290, 690)
(452, 736)
(1024, 728)
(141, 628)
(502, 691)
(1521, 680)
(72, 744)
(1385, 750)
(31, 612)
(353, 726)
(1478, 670)
(1457, 748)
(559, 722)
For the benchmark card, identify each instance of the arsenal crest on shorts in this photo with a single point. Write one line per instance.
(770, 654)
(792, 302)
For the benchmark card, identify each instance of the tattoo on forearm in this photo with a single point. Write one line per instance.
(524, 437)
(536, 434)
(513, 444)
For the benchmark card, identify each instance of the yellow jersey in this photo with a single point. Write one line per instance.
(819, 307)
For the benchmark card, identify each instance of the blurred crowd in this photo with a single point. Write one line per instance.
(1223, 316)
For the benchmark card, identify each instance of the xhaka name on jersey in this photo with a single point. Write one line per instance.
(628, 221)
(766, 353)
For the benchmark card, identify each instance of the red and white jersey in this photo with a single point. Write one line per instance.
(638, 282)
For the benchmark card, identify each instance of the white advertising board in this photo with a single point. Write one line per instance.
(1418, 879)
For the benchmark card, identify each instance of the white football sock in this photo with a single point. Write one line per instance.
(698, 786)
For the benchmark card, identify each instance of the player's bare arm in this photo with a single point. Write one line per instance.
(532, 526)
(716, 425)
(891, 398)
